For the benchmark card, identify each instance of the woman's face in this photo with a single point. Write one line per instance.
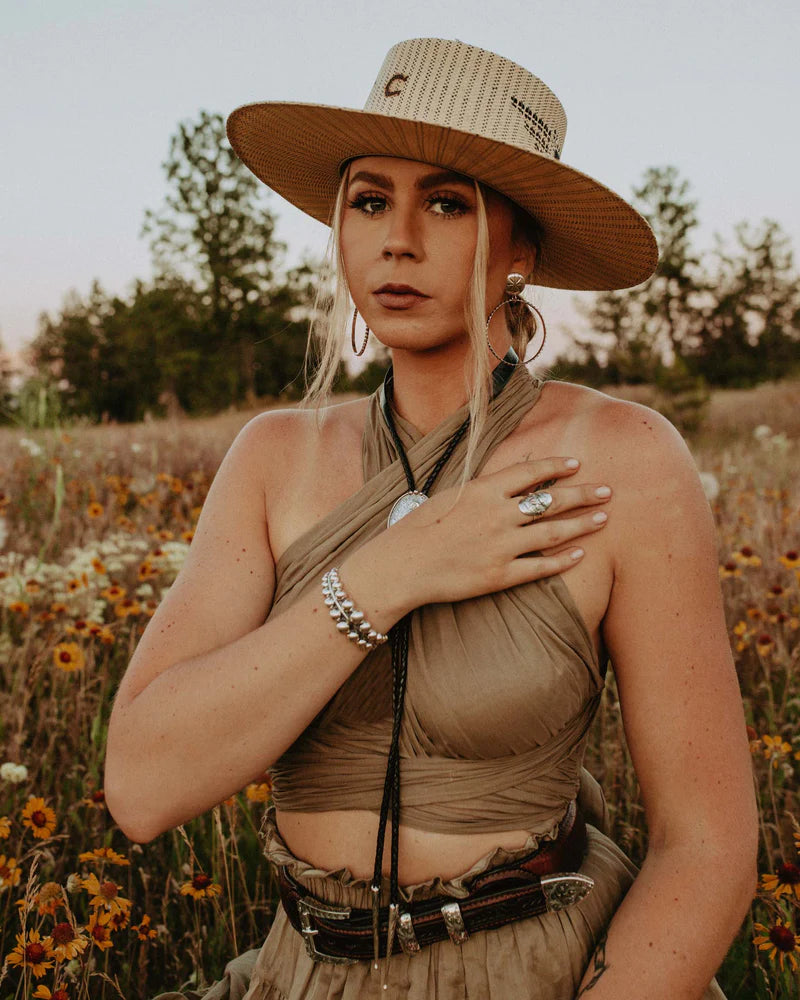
(408, 236)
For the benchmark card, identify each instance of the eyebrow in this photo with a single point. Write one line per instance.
(424, 183)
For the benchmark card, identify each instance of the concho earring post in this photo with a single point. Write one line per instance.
(353, 336)
(515, 283)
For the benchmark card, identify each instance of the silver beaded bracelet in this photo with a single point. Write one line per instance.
(350, 622)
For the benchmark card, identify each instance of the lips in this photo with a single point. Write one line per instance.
(397, 296)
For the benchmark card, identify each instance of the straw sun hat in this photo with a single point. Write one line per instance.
(468, 110)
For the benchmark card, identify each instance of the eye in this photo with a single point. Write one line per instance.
(369, 204)
(448, 204)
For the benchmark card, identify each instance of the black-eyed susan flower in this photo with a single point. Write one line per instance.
(104, 854)
(119, 920)
(165, 535)
(75, 584)
(21, 608)
(144, 931)
(106, 636)
(775, 748)
(764, 643)
(105, 895)
(58, 608)
(67, 942)
(746, 556)
(114, 592)
(45, 616)
(790, 559)
(33, 953)
(779, 941)
(33, 586)
(10, 873)
(94, 510)
(79, 627)
(99, 929)
(128, 607)
(754, 614)
(68, 656)
(43, 992)
(39, 818)
(95, 799)
(785, 881)
(147, 570)
(49, 899)
(200, 887)
(5, 827)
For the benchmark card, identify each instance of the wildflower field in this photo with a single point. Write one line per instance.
(94, 525)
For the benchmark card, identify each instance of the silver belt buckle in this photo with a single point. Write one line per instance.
(328, 911)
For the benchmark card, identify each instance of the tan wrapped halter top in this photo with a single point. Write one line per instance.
(501, 688)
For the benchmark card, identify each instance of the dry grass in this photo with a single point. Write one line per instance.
(97, 521)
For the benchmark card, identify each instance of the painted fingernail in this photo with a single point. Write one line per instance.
(576, 553)
(603, 491)
(572, 463)
(599, 517)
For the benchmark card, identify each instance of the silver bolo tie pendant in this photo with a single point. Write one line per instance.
(404, 505)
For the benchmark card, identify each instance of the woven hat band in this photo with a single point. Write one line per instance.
(458, 86)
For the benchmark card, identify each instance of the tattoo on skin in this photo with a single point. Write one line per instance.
(600, 966)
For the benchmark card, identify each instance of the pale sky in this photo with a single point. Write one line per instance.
(93, 89)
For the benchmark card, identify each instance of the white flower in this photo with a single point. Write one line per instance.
(13, 773)
(762, 431)
(145, 590)
(710, 485)
(136, 448)
(32, 448)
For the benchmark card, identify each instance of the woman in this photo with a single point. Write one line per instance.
(435, 821)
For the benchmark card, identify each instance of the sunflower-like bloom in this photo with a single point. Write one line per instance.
(42, 992)
(105, 895)
(144, 930)
(68, 656)
(104, 854)
(780, 941)
(32, 952)
(200, 887)
(67, 942)
(785, 881)
(775, 748)
(99, 930)
(39, 818)
(790, 559)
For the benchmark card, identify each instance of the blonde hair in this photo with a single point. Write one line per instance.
(331, 316)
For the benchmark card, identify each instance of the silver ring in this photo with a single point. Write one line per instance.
(534, 505)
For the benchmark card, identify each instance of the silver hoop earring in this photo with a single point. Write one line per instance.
(515, 283)
(353, 336)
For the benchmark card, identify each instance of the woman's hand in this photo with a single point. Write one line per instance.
(474, 540)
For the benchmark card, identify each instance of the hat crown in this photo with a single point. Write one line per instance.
(462, 87)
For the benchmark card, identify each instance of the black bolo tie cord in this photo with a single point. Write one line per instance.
(399, 635)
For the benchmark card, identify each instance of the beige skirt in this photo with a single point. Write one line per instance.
(541, 958)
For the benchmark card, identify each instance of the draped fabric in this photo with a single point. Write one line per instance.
(501, 693)
(501, 688)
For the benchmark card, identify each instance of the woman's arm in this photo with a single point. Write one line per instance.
(666, 634)
(214, 694)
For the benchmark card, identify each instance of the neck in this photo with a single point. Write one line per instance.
(428, 386)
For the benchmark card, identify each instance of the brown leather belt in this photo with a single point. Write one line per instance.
(546, 879)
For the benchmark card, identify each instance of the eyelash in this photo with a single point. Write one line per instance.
(362, 200)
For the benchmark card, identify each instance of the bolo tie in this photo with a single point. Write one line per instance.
(398, 640)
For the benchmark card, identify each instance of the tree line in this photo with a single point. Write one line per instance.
(222, 323)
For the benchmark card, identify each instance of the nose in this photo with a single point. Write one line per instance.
(402, 237)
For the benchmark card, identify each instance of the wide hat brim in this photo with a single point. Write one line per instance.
(593, 239)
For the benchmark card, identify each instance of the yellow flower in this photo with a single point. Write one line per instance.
(32, 952)
(187, 536)
(127, 607)
(105, 895)
(43, 993)
(33, 586)
(259, 792)
(775, 748)
(67, 942)
(58, 607)
(765, 643)
(785, 881)
(780, 941)
(730, 568)
(39, 818)
(95, 800)
(94, 510)
(68, 656)
(740, 628)
(49, 898)
(147, 570)
(99, 931)
(144, 930)
(113, 592)
(79, 627)
(745, 556)
(98, 565)
(104, 854)
(200, 887)
(5, 827)
(790, 559)
(10, 874)
(19, 607)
